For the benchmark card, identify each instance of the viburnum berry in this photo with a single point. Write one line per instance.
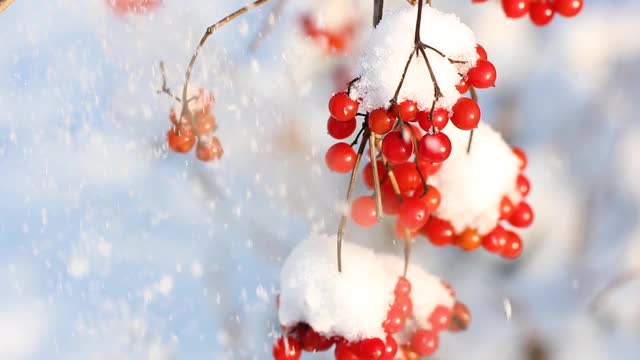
(523, 185)
(209, 149)
(407, 177)
(390, 348)
(406, 110)
(541, 13)
(427, 167)
(496, 240)
(439, 120)
(394, 322)
(432, 198)
(396, 148)
(506, 208)
(439, 232)
(403, 287)
(435, 147)
(413, 213)
(424, 342)
(370, 349)
(404, 304)
(469, 240)
(522, 216)
(342, 107)
(381, 121)
(463, 85)
(522, 157)
(312, 341)
(286, 350)
(206, 125)
(409, 354)
(568, 8)
(466, 114)
(515, 8)
(340, 158)
(340, 129)
(367, 174)
(440, 318)
(483, 75)
(390, 201)
(460, 317)
(345, 351)
(513, 248)
(363, 211)
(181, 138)
(482, 53)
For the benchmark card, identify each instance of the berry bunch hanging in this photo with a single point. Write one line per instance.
(541, 12)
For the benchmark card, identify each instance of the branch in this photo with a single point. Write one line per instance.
(378, 7)
(164, 88)
(474, 97)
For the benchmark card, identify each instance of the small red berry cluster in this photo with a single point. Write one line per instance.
(540, 12)
(332, 41)
(423, 341)
(122, 7)
(499, 240)
(198, 126)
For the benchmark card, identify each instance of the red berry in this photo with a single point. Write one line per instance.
(413, 213)
(427, 167)
(407, 110)
(363, 211)
(409, 354)
(466, 114)
(568, 8)
(342, 107)
(381, 121)
(513, 247)
(432, 198)
(396, 148)
(522, 216)
(523, 185)
(440, 318)
(370, 349)
(435, 147)
(461, 317)
(439, 232)
(390, 201)
(209, 149)
(522, 156)
(469, 240)
(404, 304)
(482, 53)
(506, 208)
(340, 129)
(394, 322)
(424, 342)
(367, 174)
(463, 86)
(206, 125)
(541, 13)
(181, 139)
(289, 350)
(403, 287)
(312, 341)
(496, 240)
(345, 351)
(483, 75)
(340, 158)
(440, 119)
(407, 177)
(515, 8)
(390, 348)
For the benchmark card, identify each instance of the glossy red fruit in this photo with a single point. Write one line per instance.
(522, 216)
(440, 318)
(432, 198)
(370, 349)
(407, 110)
(424, 342)
(440, 119)
(206, 125)
(568, 8)
(381, 121)
(466, 114)
(407, 177)
(363, 211)
(469, 240)
(312, 341)
(409, 354)
(463, 85)
(394, 322)
(390, 201)
(340, 129)
(513, 247)
(506, 208)
(340, 158)
(390, 348)
(515, 8)
(413, 213)
(496, 240)
(427, 167)
(396, 148)
(523, 185)
(345, 351)
(522, 157)
(439, 232)
(460, 317)
(209, 149)
(367, 174)
(342, 107)
(483, 75)
(403, 287)
(541, 13)
(404, 304)
(435, 147)
(482, 53)
(286, 350)
(181, 139)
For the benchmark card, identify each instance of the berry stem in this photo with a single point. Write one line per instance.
(436, 88)
(164, 88)
(267, 25)
(419, 22)
(210, 30)
(378, 7)
(474, 97)
(352, 185)
(407, 251)
(376, 177)
(404, 75)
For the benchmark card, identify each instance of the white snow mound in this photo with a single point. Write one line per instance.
(472, 185)
(388, 50)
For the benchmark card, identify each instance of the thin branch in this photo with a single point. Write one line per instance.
(376, 176)
(474, 97)
(164, 88)
(404, 75)
(378, 7)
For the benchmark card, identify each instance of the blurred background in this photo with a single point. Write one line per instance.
(111, 247)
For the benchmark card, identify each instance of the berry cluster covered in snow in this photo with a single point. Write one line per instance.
(541, 12)
(364, 319)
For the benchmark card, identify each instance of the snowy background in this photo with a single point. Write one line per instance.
(113, 248)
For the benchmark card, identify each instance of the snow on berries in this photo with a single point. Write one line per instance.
(541, 12)
(195, 127)
(364, 319)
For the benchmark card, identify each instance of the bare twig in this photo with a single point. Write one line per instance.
(164, 88)
(474, 97)
(376, 177)
(378, 7)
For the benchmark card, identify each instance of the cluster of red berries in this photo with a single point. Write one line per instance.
(122, 7)
(333, 41)
(499, 240)
(481, 76)
(423, 341)
(197, 126)
(540, 12)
